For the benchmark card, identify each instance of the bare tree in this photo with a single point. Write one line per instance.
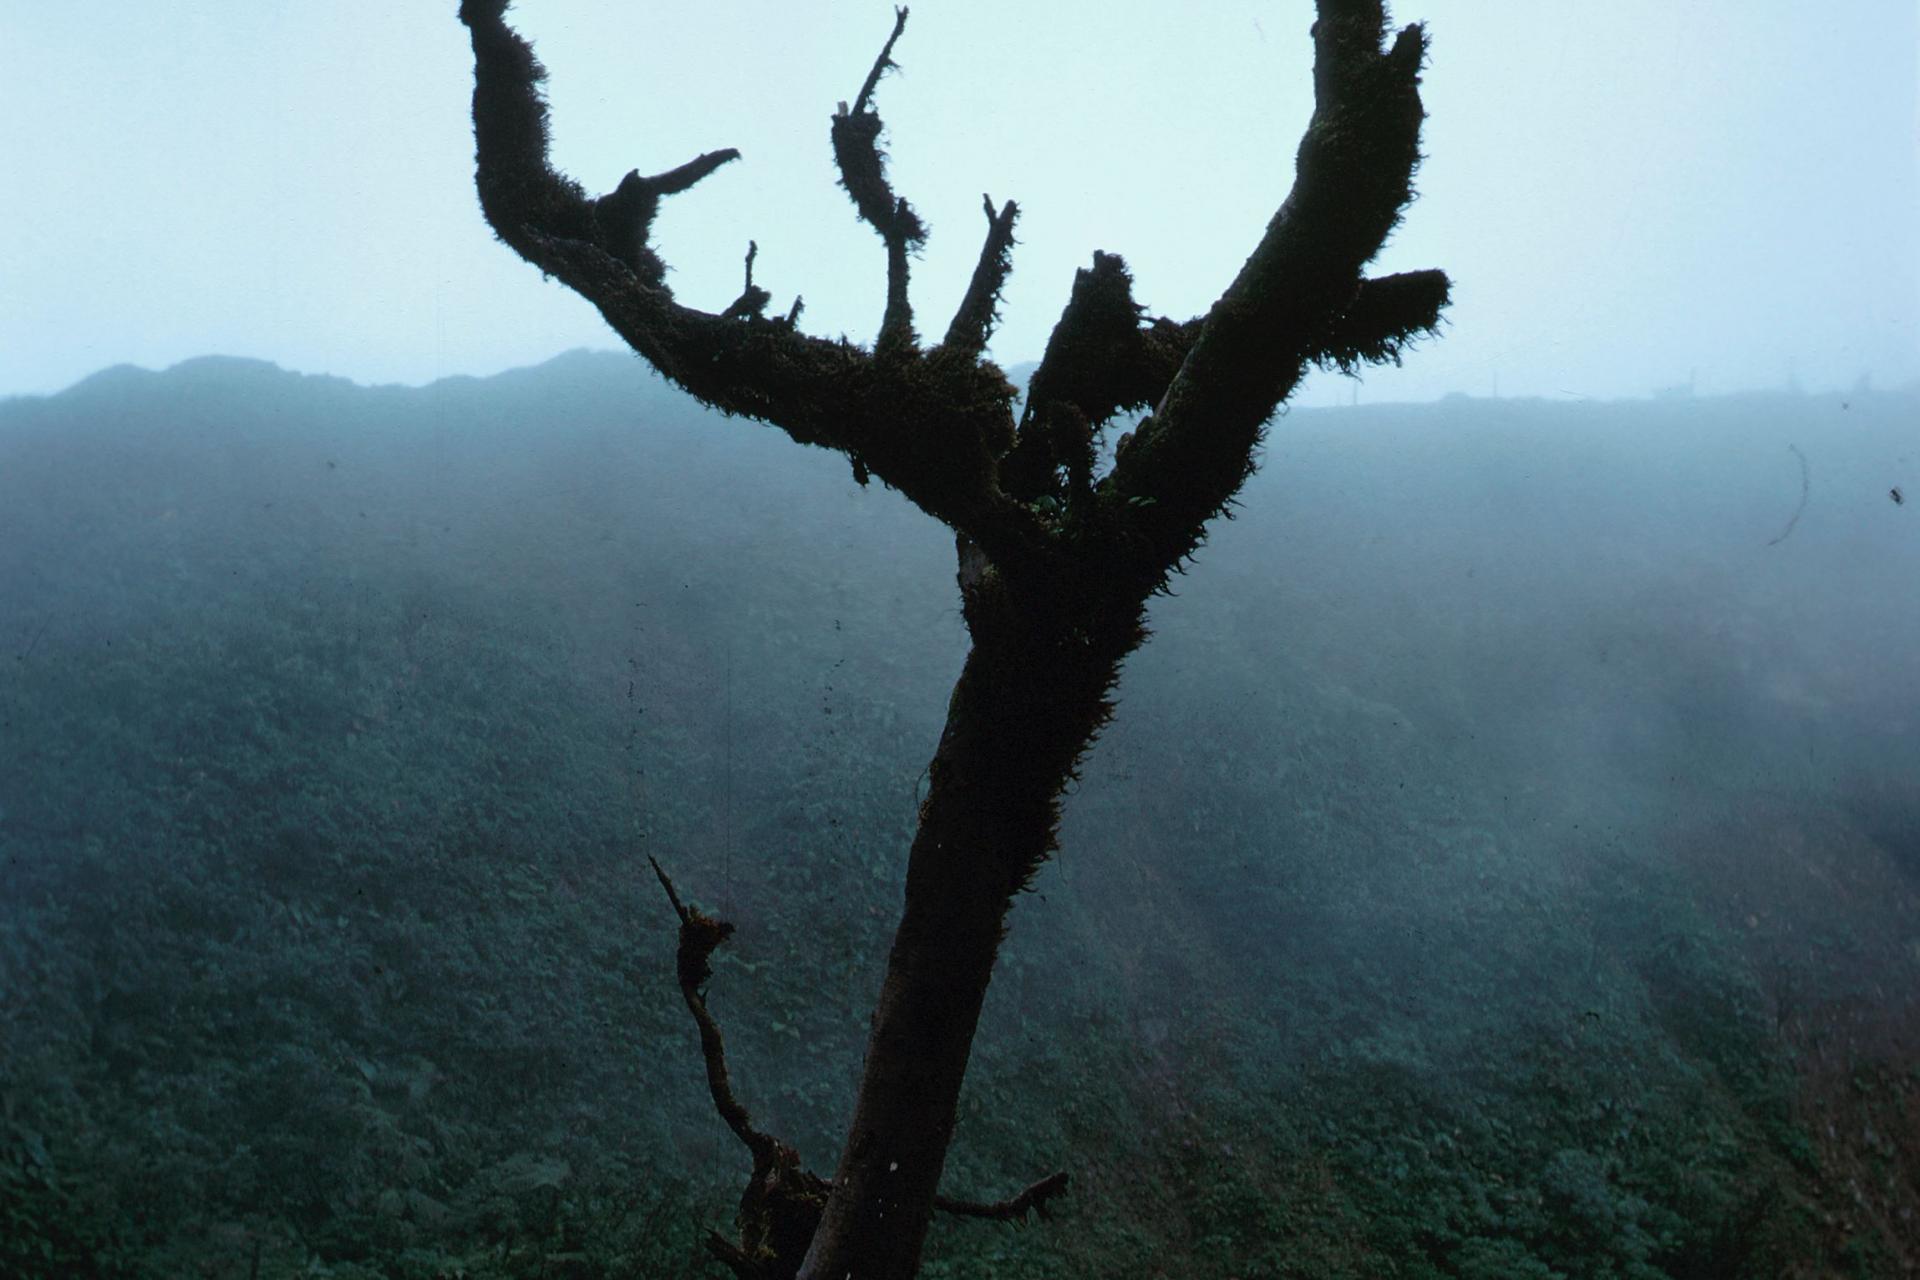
(1056, 559)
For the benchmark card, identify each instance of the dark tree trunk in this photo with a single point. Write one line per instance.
(1056, 562)
(1026, 705)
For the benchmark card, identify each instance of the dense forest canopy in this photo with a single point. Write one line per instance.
(1526, 882)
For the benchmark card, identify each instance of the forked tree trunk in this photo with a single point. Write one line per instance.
(1056, 562)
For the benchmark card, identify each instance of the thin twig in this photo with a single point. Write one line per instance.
(700, 936)
(753, 300)
(1034, 1198)
(882, 63)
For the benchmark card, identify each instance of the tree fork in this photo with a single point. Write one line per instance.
(1055, 563)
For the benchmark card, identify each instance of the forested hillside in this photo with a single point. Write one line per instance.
(1505, 861)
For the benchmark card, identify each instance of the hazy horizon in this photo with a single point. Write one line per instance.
(1628, 197)
(1352, 392)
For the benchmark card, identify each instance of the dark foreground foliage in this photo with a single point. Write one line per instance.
(1504, 868)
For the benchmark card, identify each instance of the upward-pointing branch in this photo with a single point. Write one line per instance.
(882, 64)
(753, 299)
(979, 310)
(1300, 298)
(863, 172)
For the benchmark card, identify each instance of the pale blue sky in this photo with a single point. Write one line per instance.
(1625, 191)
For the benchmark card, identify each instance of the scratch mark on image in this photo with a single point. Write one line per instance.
(1805, 489)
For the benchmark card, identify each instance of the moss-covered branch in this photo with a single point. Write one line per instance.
(1299, 299)
(930, 427)
(1386, 314)
(979, 311)
(863, 172)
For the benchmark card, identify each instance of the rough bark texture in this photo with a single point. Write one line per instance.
(1056, 562)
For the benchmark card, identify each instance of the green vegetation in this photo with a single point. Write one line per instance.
(1503, 865)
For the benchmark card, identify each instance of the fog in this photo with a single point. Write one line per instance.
(1505, 857)
(1506, 853)
(1629, 195)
